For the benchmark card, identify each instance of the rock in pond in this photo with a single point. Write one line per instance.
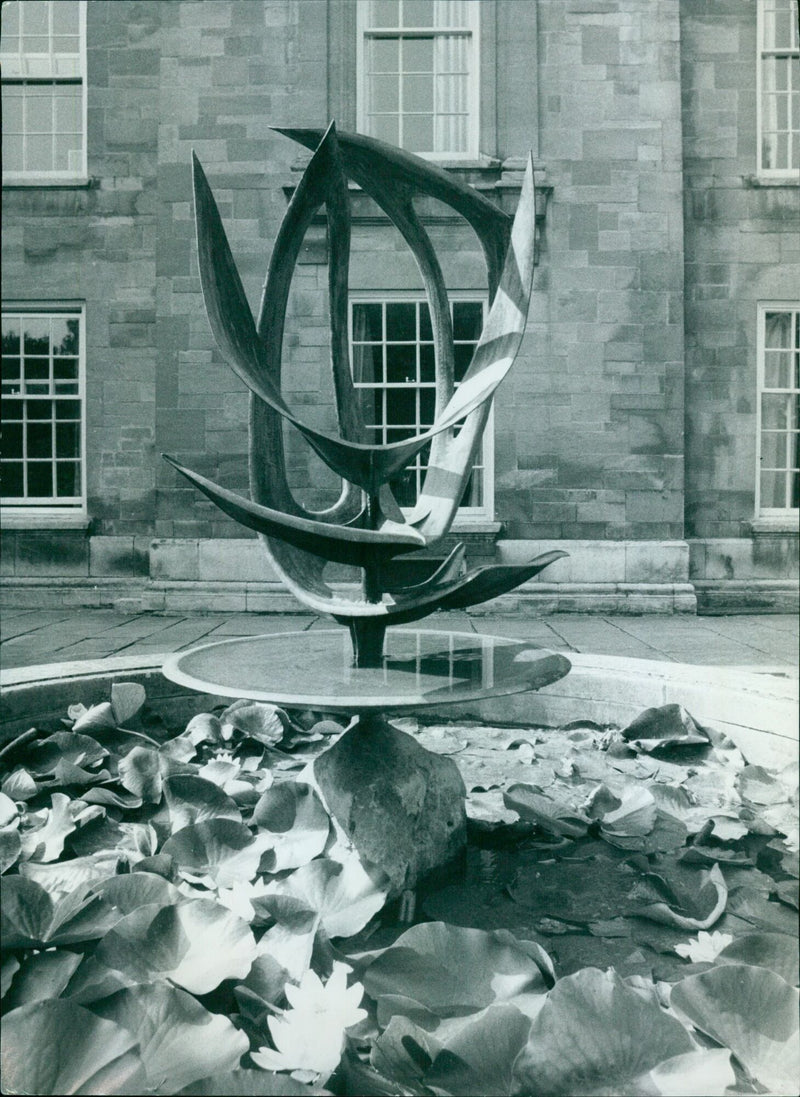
(402, 807)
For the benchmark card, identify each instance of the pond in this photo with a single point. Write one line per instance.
(179, 915)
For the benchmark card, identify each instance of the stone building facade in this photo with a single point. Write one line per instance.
(647, 424)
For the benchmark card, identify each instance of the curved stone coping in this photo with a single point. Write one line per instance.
(758, 710)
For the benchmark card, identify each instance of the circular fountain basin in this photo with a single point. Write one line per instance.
(757, 710)
(420, 668)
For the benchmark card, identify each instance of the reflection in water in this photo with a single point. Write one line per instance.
(420, 667)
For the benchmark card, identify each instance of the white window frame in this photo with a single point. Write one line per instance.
(24, 514)
(788, 174)
(465, 516)
(364, 31)
(764, 307)
(19, 68)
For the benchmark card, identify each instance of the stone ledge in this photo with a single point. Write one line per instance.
(757, 710)
(747, 595)
(198, 596)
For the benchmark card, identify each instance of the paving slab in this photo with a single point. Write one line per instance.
(32, 637)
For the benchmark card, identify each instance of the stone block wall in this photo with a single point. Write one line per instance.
(590, 423)
(634, 390)
(742, 246)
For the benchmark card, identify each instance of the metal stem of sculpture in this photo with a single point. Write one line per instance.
(366, 527)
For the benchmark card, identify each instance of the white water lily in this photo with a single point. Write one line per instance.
(310, 1036)
(239, 896)
(705, 948)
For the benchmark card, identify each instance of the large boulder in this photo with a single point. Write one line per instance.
(401, 806)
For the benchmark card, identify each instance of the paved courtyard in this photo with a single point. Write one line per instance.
(768, 641)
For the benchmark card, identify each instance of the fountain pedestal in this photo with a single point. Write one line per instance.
(401, 806)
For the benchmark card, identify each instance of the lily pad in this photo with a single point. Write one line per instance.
(293, 814)
(753, 1012)
(194, 800)
(42, 976)
(451, 970)
(482, 1056)
(699, 910)
(595, 1035)
(195, 944)
(126, 700)
(255, 719)
(551, 814)
(180, 1042)
(140, 773)
(221, 849)
(60, 1047)
(344, 894)
(251, 1083)
(776, 951)
(664, 728)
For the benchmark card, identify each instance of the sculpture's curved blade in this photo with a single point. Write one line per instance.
(341, 544)
(379, 168)
(495, 579)
(451, 567)
(452, 456)
(233, 327)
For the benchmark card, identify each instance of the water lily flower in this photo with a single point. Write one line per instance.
(310, 1036)
(705, 948)
(239, 896)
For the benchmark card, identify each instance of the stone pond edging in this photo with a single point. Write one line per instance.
(758, 710)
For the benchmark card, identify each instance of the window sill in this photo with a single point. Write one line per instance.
(19, 182)
(778, 524)
(17, 519)
(771, 181)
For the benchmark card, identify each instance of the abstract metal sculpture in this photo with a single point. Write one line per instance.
(366, 527)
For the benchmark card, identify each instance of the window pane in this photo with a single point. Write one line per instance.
(418, 55)
(68, 103)
(67, 153)
(401, 321)
(68, 478)
(418, 93)
(777, 329)
(418, 132)
(10, 335)
(367, 363)
(467, 320)
(40, 409)
(35, 17)
(10, 368)
(12, 108)
(12, 153)
(37, 369)
(401, 407)
(774, 411)
(65, 369)
(384, 93)
(463, 357)
(40, 440)
(11, 479)
(773, 449)
(68, 439)
(12, 409)
(427, 363)
(773, 489)
(367, 323)
(427, 407)
(778, 369)
(64, 333)
(10, 26)
(68, 409)
(401, 364)
(12, 440)
(40, 478)
(39, 153)
(36, 339)
(66, 17)
(386, 127)
(383, 55)
(39, 110)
